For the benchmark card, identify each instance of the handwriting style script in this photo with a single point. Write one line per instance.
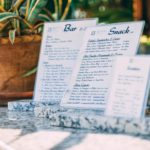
(68, 27)
(114, 30)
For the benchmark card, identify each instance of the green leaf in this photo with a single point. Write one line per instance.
(43, 17)
(30, 72)
(17, 24)
(12, 34)
(22, 11)
(6, 15)
(56, 9)
(17, 4)
(47, 12)
(7, 4)
(40, 30)
(35, 8)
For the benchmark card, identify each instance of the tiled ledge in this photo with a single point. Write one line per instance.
(27, 105)
(92, 120)
(82, 119)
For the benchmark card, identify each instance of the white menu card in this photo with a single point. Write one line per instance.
(91, 77)
(130, 87)
(60, 46)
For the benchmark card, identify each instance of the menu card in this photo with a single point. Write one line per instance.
(91, 77)
(60, 46)
(130, 87)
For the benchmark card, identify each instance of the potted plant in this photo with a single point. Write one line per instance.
(21, 24)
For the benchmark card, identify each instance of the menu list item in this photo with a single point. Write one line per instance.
(60, 47)
(130, 87)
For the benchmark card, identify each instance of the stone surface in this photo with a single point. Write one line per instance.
(82, 119)
(92, 120)
(23, 131)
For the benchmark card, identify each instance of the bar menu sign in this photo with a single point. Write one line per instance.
(60, 47)
(90, 81)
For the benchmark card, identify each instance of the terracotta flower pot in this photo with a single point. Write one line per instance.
(16, 60)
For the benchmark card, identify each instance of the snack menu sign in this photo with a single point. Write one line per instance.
(90, 81)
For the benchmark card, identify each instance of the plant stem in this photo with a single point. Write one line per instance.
(17, 5)
(27, 9)
(56, 8)
(2, 3)
(25, 22)
(2, 9)
(38, 25)
(66, 10)
(3, 26)
(60, 8)
(49, 14)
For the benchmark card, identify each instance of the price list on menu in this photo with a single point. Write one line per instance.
(130, 87)
(60, 47)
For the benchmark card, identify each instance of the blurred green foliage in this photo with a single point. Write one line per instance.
(106, 10)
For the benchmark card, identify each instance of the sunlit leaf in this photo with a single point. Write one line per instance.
(2, 3)
(27, 8)
(6, 15)
(17, 24)
(35, 8)
(30, 72)
(12, 34)
(2, 9)
(66, 10)
(17, 4)
(43, 17)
